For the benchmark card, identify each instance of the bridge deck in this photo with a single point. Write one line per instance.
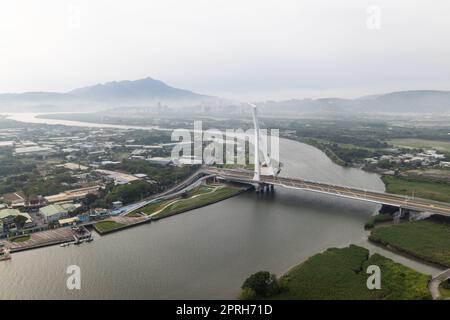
(405, 202)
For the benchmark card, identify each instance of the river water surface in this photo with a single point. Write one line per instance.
(208, 252)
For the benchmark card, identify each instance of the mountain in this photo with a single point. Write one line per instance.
(402, 102)
(146, 92)
(307, 106)
(138, 91)
(123, 96)
(419, 101)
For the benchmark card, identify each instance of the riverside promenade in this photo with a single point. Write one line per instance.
(42, 239)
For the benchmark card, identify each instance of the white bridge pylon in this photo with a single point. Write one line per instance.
(257, 176)
(257, 144)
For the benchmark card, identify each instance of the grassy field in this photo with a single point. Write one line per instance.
(151, 207)
(439, 191)
(195, 198)
(424, 239)
(421, 144)
(445, 292)
(133, 215)
(204, 199)
(20, 238)
(339, 274)
(106, 226)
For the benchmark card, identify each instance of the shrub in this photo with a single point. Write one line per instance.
(263, 284)
(446, 284)
(247, 294)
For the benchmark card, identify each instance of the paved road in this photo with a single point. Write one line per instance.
(192, 181)
(433, 286)
(404, 202)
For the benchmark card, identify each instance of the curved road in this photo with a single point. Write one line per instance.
(434, 284)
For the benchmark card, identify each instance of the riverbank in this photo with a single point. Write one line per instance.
(341, 274)
(118, 223)
(428, 240)
(323, 147)
(41, 239)
(199, 197)
(433, 190)
(221, 244)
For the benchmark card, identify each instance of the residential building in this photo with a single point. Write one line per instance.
(8, 219)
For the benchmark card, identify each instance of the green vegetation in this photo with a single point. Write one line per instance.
(260, 285)
(20, 221)
(165, 176)
(27, 178)
(379, 218)
(107, 226)
(439, 191)
(37, 185)
(444, 289)
(133, 215)
(151, 207)
(446, 284)
(426, 239)
(20, 238)
(338, 274)
(12, 165)
(421, 144)
(195, 198)
(132, 192)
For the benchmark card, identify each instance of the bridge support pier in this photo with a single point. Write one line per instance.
(398, 215)
(263, 187)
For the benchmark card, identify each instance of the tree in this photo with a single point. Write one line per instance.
(263, 284)
(247, 294)
(90, 199)
(446, 284)
(20, 221)
(100, 203)
(132, 192)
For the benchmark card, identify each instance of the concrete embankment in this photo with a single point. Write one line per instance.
(128, 222)
(42, 239)
(199, 206)
(124, 222)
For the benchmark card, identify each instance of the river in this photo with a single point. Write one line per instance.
(208, 252)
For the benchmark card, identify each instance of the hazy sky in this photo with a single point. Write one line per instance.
(254, 49)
